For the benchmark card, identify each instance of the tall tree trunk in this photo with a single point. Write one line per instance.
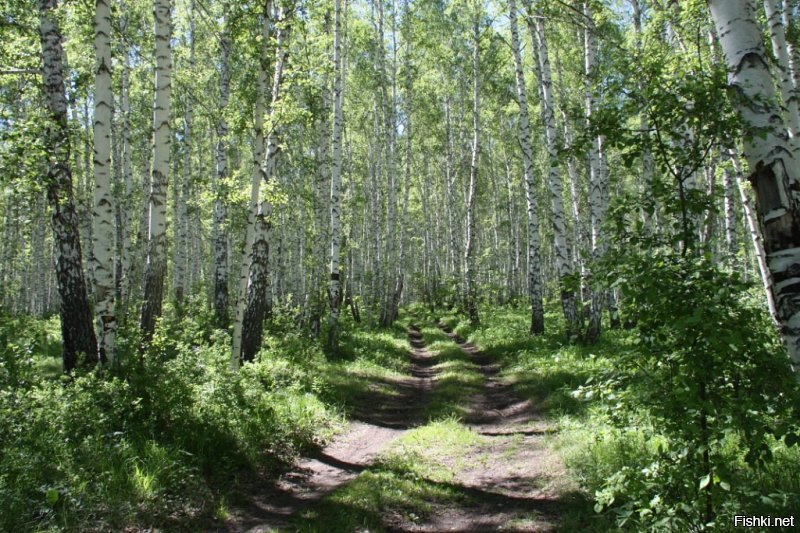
(560, 246)
(789, 94)
(534, 266)
(79, 340)
(774, 171)
(389, 130)
(181, 229)
(103, 213)
(597, 178)
(255, 188)
(156, 262)
(220, 233)
(258, 290)
(401, 256)
(334, 291)
(470, 289)
(322, 198)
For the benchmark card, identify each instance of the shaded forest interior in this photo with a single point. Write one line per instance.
(500, 263)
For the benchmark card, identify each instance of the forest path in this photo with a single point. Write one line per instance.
(377, 420)
(513, 482)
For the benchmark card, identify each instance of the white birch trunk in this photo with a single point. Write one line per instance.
(334, 291)
(220, 233)
(470, 289)
(560, 245)
(258, 299)
(255, 186)
(103, 212)
(401, 256)
(79, 340)
(534, 267)
(156, 263)
(774, 170)
(596, 174)
(789, 95)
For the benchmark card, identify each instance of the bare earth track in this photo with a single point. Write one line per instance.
(513, 482)
(375, 424)
(516, 482)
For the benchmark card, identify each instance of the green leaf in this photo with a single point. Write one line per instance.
(52, 496)
(724, 485)
(704, 481)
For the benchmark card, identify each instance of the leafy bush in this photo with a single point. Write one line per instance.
(100, 451)
(714, 384)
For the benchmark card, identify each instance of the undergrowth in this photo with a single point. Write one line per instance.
(641, 465)
(156, 441)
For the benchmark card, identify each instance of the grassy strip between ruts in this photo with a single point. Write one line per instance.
(416, 471)
(419, 468)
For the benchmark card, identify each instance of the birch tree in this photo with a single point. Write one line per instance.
(773, 167)
(257, 177)
(555, 185)
(220, 233)
(156, 261)
(257, 299)
(335, 289)
(534, 279)
(79, 340)
(103, 213)
(470, 289)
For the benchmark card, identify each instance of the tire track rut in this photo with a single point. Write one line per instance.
(377, 420)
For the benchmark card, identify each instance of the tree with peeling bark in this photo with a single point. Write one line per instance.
(257, 302)
(79, 340)
(773, 165)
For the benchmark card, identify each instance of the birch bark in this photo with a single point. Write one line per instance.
(775, 16)
(334, 291)
(255, 186)
(560, 246)
(534, 267)
(220, 233)
(596, 175)
(103, 212)
(773, 167)
(156, 263)
(470, 289)
(258, 290)
(79, 340)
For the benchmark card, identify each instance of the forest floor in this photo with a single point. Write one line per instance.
(449, 447)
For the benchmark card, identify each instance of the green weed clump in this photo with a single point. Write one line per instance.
(147, 443)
